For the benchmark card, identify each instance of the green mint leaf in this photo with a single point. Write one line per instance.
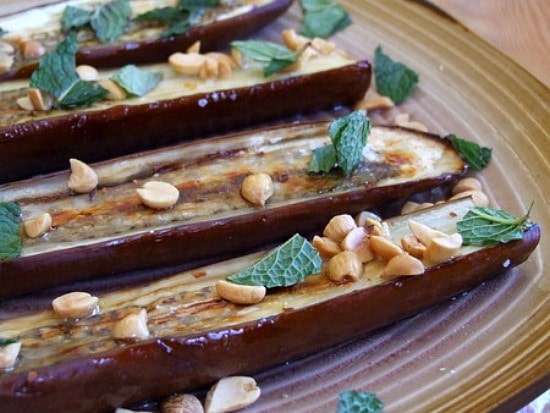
(349, 136)
(477, 156)
(2, 32)
(286, 265)
(202, 4)
(484, 226)
(10, 238)
(352, 401)
(393, 79)
(323, 159)
(56, 75)
(322, 18)
(7, 341)
(74, 18)
(110, 20)
(163, 15)
(272, 56)
(136, 81)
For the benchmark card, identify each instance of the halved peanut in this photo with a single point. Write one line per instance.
(133, 326)
(323, 46)
(158, 195)
(377, 227)
(87, 73)
(38, 100)
(293, 40)
(409, 206)
(440, 249)
(467, 184)
(339, 226)
(357, 240)
(384, 247)
(31, 49)
(240, 294)
(186, 63)
(423, 232)
(402, 264)
(182, 403)
(8, 355)
(209, 68)
(345, 264)
(75, 304)
(25, 102)
(195, 47)
(362, 217)
(115, 92)
(39, 225)
(375, 102)
(414, 247)
(327, 248)
(83, 178)
(257, 188)
(230, 394)
(478, 197)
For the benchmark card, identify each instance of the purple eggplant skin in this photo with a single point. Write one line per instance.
(124, 129)
(159, 367)
(213, 36)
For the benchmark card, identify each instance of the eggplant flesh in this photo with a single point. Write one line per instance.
(142, 42)
(197, 337)
(110, 231)
(180, 108)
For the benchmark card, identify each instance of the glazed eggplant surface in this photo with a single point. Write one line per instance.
(110, 230)
(196, 337)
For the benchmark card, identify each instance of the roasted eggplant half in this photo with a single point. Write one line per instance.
(32, 33)
(195, 337)
(181, 107)
(112, 229)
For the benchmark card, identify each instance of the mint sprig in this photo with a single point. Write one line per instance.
(284, 266)
(10, 238)
(349, 136)
(135, 80)
(353, 401)
(180, 18)
(322, 18)
(272, 56)
(485, 226)
(56, 75)
(75, 18)
(478, 157)
(393, 79)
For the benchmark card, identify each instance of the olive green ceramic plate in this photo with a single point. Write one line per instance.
(487, 349)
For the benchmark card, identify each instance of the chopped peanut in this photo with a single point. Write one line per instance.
(293, 40)
(24, 102)
(8, 355)
(83, 178)
(31, 49)
(158, 195)
(38, 226)
(182, 403)
(87, 73)
(38, 100)
(257, 188)
(230, 394)
(115, 92)
(345, 264)
(357, 240)
(338, 227)
(240, 294)
(75, 305)
(440, 249)
(187, 63)
(133, 326)
(384, 247)
(195, 47)
(413, 246)
(402, 264)
(423, 232)
(375, 102)
(327, 247)
(404, 121)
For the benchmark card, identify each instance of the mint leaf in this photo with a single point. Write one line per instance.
(272, 56)
(349, 136)
(286, 265)
(484, 226)
(2, 32)
(322, 18)
(56, 75)
(110, 20)
(393, 79)
(136, 81)
(477, 156)
(10, 238)
(352, 401)
(74, 18)
(7, 341)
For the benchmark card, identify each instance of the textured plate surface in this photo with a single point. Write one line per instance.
(487, 349)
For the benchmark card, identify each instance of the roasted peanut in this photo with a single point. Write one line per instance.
(423, 232)
(195, 47)
(38, 100)
(75, 305)
(363, 216)
(230, 394)
(323, 46)
(209, 68)
(182, 403)
(414, 247)
(339, 226)
(440, 249)
(376, 227)
(404, 121)
(8, 355)
(240, 294)
(158, 195)
(402, 264)
(467, 184)
(357, 240)
(133, 326)
(257, 188)
(186, 63)
(31, 49)
(39, 225)
(114, 91)
(327, 248)
(293, 40)
(384, 247)
(478, 197)
(83, 178)
(87, 73)
(375, 102)
(345, 264)
(25, 103)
